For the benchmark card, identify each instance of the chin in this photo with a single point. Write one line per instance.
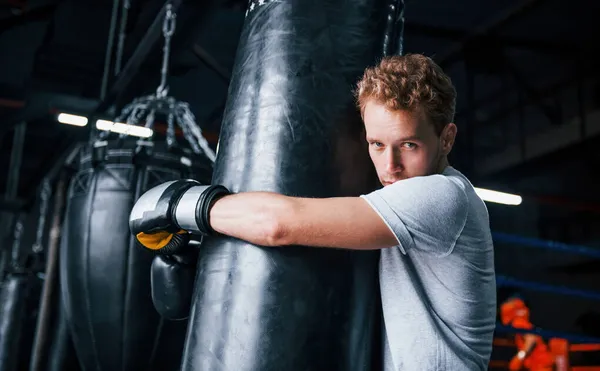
(387, 183)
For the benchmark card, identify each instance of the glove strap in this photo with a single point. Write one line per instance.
(203, 206)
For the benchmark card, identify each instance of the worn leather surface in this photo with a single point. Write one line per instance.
(290, 127)
(105, 277)
(61, 352)
(14, 290)
(172, 281)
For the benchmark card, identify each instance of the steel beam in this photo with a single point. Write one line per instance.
(16, 156)
(144, 48)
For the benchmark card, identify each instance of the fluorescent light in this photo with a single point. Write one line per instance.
(104, 124)
(121, 128)
(67, 118)
(498, 197)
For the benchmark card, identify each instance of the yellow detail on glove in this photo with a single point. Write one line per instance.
(157, 240)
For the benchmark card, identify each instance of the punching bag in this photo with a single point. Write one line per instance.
(52, 348)
(61, 352)
(19, 293)
(104, 276)
(13, 305)
(290, 127)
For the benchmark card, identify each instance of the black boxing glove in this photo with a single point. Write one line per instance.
(172, 282)
(163, 217)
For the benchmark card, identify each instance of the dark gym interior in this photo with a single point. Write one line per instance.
(528, 118)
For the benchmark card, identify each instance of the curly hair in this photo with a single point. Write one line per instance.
(410, 82)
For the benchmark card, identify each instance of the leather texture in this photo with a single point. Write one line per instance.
(173, 284)
(13, 309)
(105, 276)
(61, 352)
(20, 290)
(290, 127)
(20, 300)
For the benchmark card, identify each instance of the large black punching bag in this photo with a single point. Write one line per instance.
(104, 276)
(290, 127)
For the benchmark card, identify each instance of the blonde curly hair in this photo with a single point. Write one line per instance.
(409, 82)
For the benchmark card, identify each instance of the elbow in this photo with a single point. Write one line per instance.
(277, 225)
(274, 233)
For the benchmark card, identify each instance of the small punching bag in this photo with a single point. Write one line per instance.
(290, 127)
(104, 276)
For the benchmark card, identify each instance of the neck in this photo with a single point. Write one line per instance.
(443, 163)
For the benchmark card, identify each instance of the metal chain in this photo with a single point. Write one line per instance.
(177, 113)
(168, 31)
(16, 247)
(400, 28)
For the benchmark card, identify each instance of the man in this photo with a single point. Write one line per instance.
(436, 267)
(533, 353)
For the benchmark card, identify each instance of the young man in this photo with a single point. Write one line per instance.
(533, 353)
(436, 268)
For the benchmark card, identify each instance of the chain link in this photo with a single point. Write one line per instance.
(177, 113)
(16, 247)
(169, 22)
(168, 31)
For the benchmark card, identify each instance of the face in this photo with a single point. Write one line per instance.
(403, 144)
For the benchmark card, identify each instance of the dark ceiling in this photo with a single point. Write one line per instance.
(525, 72)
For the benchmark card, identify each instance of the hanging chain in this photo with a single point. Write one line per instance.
(177, 113)
(168, 31)
(16, 247)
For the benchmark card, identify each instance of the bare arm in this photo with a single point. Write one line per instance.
(530, 341)
(271, 219)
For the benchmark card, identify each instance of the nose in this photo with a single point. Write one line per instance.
(393, 161)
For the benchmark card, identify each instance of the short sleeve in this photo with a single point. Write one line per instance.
(427, 213)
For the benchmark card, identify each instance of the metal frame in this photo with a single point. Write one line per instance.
(139, 56)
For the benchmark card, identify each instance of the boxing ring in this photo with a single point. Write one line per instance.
(565, 346)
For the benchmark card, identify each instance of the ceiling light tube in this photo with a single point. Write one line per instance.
(121, 128)
(498, 197)
(69, 119)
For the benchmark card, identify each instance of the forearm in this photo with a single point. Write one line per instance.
(251, 216)
(530, 341)
(271, 219)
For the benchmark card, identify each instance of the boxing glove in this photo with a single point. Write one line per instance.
(172, 283)
(163, 218)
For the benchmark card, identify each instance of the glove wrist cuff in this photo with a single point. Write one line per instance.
(204, 205)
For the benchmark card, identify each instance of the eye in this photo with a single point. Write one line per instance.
(409, 145)
(377, 144)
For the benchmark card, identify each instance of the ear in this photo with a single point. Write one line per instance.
(447, 137)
